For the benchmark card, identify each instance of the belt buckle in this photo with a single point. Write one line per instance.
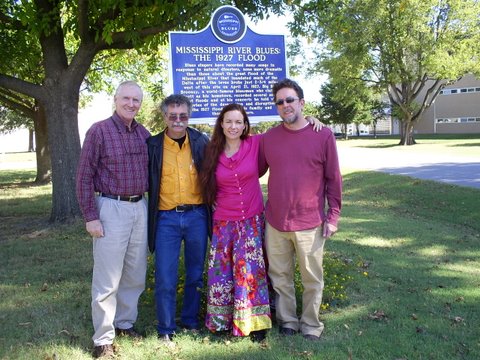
(180, 209)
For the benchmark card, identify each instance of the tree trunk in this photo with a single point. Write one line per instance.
(31, 134)
(407, 133)
(44, 164)
(61, 110)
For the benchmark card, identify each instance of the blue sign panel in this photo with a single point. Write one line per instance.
(227, 63)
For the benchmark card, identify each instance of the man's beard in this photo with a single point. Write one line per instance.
(291, 119)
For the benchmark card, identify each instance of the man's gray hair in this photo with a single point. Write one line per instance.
(177, 99)
(128, 83)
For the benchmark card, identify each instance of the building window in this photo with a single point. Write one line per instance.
(458, 120)
(459, 91)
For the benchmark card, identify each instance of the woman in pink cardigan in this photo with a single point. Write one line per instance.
(237, 299)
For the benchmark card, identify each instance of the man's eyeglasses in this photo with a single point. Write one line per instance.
(174, 117)
(288, 100)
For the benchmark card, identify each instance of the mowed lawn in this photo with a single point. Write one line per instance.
(411, 250)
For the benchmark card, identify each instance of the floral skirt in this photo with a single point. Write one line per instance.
(237, 297)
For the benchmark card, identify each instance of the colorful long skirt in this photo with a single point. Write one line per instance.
(237, 297)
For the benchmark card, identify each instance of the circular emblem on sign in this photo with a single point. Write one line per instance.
(228, 24)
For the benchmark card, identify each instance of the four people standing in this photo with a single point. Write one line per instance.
(302, 210)
(304, 173)
(111, 182)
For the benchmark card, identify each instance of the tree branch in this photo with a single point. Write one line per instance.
(82, 17)
(120, 39)
(21, 86)
(8, 100)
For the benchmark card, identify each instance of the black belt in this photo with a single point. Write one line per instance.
(133, 198)
(183, 208)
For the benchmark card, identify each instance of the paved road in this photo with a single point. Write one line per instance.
(456, 170)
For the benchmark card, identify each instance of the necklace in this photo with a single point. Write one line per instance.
(231, 150)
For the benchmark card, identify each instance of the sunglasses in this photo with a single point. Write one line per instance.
(174, 117)
(288, 100)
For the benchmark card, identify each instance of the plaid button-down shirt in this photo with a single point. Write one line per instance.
(114, 160)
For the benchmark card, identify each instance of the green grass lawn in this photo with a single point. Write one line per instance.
(411, 247)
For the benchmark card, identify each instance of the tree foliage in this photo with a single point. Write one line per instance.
(59, 40)
(409, 49)
(11, 120)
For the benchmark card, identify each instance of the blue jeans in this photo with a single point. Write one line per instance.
(173, 227)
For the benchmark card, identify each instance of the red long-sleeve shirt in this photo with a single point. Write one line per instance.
(113, 161)
(304, 178)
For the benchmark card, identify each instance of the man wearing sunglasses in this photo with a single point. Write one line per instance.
(302, 210)
(176, 214)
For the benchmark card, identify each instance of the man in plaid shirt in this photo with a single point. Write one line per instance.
(112, 177)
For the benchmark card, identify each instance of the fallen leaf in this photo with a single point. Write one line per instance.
(458, 319)
(378, 315)
(414, 317)
(44, 287)
(37, 233)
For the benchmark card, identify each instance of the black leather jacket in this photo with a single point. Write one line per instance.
(198, 141)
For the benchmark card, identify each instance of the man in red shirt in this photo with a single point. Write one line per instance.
(112, 177)
(304, 175)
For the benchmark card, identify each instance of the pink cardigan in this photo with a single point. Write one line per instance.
(239, 195)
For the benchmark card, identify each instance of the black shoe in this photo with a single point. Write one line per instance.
(258, 336)
(128, 332)
(310, 337)
(286, 331)
(103, 351)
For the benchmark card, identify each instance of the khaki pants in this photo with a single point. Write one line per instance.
(282, 249)
(119, 269)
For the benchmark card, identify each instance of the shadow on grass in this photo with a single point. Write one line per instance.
(379, 146)
(21, 185)
(20, 178)
(465, 145)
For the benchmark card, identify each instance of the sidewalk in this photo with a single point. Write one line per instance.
(464, 171)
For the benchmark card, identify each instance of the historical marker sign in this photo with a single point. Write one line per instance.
(227, 63)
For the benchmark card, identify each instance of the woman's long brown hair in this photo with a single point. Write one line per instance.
(213, 151)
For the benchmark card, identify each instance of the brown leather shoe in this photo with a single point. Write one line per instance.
(286, 331)
(128, 332)
(103, 351)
